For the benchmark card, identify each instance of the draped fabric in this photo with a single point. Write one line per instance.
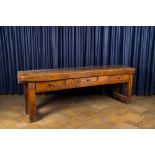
(26, 48)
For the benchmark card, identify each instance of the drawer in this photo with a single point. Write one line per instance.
(81, 82)
(87, 81)
(72, 83)
(118, 78)
(103, 79)
(53, 85)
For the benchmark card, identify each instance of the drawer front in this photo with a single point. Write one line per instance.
(53, 85)
(103, 79)
(119, 78)
(81, 82)
(87, 81)
(72, 83)
(112, 79)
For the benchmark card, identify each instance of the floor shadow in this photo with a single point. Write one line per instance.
(47, 102)
(71, 96)
(55, 106)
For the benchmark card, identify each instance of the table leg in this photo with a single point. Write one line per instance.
(32, 102)
(26, 97)
(128, 88)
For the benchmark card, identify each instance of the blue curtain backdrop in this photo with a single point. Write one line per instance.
(25, 48)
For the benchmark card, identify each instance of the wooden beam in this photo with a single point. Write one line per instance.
(120, 97)
(26, 98)
(32, 102)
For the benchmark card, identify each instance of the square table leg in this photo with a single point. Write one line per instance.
(32, 102)
(128, 88)
(26, 97)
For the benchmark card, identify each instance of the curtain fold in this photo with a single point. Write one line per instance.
(25, 48)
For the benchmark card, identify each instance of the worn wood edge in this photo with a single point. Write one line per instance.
(105, 67)
(63, 76)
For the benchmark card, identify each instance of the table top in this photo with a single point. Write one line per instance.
(75, 72)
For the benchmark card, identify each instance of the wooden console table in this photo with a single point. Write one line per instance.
(65, 78)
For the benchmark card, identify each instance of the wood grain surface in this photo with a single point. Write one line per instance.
(66, 73)
(36, 81)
